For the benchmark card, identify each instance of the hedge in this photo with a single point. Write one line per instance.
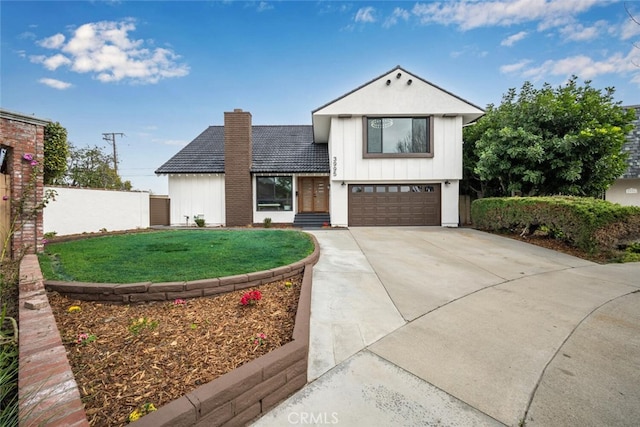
(587, 223)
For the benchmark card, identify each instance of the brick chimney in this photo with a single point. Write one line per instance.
(237, 168)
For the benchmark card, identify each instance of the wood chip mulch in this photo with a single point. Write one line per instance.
(157, 352)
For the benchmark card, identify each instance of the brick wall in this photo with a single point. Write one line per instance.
(21, 135)
(237, 168)
(47, 391)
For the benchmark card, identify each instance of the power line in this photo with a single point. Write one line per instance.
(110, 137)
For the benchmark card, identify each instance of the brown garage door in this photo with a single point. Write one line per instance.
(393, 204)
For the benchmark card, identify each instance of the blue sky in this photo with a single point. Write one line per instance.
(161, 72)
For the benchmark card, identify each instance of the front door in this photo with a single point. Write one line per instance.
(313, 194)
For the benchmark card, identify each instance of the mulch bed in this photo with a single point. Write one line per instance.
(159, 351)
(560, 246)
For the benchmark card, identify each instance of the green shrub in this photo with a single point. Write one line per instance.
(8, 370)
(587, 223)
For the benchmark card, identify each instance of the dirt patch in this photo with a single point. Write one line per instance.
(564, 247)
(124, 357)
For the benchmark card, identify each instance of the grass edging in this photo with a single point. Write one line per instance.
(234, 398)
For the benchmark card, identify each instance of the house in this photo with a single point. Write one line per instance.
(387, 153)
(626, 189)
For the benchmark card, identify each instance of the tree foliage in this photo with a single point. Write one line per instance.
(91, 167)
(56, 150)
(565, 140)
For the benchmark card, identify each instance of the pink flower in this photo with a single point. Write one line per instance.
(5, 197)
(34, 163)
(28, 157)
(179, 301)
(259, 340)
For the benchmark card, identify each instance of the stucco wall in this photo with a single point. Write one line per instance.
(625, 191)
(197, 194)
(83, 210)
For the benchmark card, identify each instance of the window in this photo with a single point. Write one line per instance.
(397, 137)
(274, 193)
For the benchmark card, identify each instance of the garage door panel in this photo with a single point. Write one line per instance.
(394, 204)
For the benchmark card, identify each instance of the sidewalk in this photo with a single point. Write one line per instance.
(431, 326)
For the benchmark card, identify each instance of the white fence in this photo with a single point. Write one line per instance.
(83, 210)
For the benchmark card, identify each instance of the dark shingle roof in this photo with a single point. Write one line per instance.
(276, 149)
(632, 146)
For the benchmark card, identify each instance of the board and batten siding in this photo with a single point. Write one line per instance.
(625, 192)
(197, 194)
(348, 165)
(347, 161)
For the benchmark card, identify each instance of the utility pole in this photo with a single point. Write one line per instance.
(110, 137)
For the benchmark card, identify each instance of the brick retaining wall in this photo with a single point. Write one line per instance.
(232, 399)
(47, 391)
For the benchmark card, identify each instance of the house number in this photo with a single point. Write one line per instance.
(335, 166)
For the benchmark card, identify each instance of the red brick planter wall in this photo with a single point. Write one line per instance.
(23, 134)
(47, 390)
(232, 399)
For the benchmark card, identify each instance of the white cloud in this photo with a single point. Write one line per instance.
(53, 42)
(512, 39)
(578, 32)
(105, 50)
(629, 29)
(55, 61)
(469, 15)
(513, 68)
(56, 84)
(27, 35)
(398, 13)
(469, 51)
(365, 14)
(582, 66)
(263, 5)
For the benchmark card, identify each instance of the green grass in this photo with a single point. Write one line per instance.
(166, 256)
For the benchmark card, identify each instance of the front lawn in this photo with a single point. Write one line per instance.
(176, 255)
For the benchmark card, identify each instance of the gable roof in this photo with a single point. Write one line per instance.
(276, 149)
(394, 93)
(632, 146)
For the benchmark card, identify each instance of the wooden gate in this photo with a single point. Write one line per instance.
(159, 210)
(5, 209)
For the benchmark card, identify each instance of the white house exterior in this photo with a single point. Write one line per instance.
(626, 189)
(387, 153)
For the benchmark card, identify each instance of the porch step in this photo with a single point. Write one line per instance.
(311, 220)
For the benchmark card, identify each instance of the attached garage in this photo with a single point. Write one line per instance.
(394, 204)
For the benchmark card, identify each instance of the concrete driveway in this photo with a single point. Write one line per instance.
(418, 326)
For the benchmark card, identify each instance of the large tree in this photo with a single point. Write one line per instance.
(56, 150)
(564, 140)
(91, 167)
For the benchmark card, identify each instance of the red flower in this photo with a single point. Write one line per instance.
(251, 297)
